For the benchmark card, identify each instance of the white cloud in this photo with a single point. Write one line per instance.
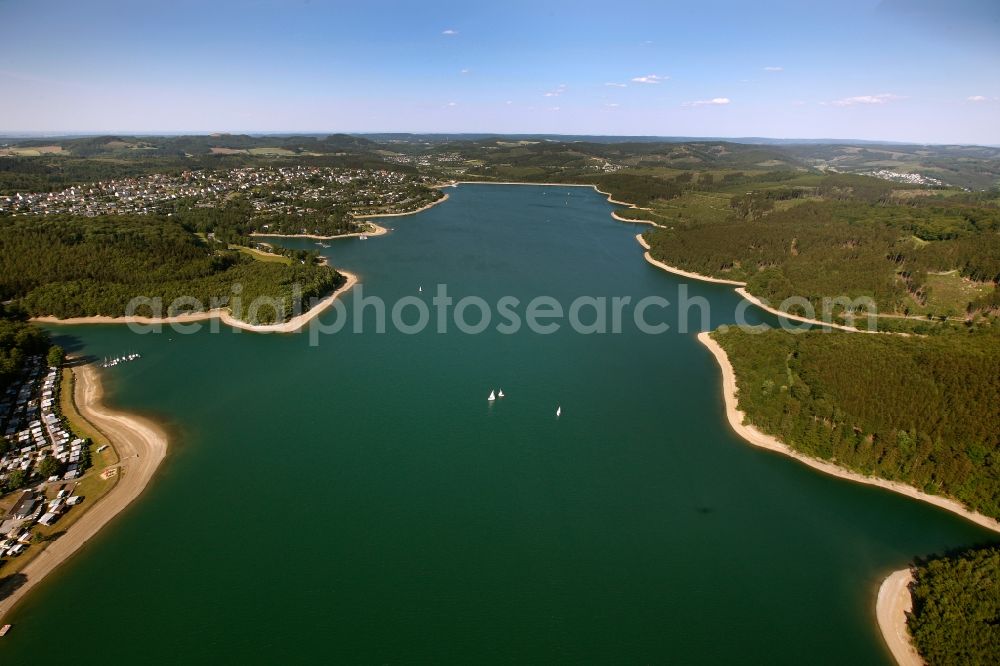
(715, 101)
(449, 32)
(866, 99)
(451, 104)
(465, 70)
(774, 69)
(612, 105)
(649, 78)
(555, 92)
(977, 98)
(553, 108)
(616, 85)
(508, 102)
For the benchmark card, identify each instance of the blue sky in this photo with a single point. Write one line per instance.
(908, 70)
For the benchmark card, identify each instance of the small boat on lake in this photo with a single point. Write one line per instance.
(493, 396)
(500, 393)
(559, 410)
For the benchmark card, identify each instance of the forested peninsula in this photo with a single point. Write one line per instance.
(75, 267)
(921, 411)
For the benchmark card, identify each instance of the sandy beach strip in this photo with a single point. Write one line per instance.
(740, 288)
(894, 594)
(758, 438)
(625, 219)
(379, 231)
(293, 325)
(742, 291)
(893, 603)
(677, 271)
(409, 212)
(141, 445)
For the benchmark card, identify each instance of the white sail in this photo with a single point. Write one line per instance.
(500, 394)
(493, 396)
(558, 411)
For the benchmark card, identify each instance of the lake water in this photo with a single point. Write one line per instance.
(359, 501)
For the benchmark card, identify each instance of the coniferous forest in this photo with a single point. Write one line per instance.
(956, 609)
(921, 410)
(79, 266)
(890, 252)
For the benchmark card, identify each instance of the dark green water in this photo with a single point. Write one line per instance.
(360, 502)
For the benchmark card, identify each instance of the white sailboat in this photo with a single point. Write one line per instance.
(500, 394)
(420, 288)
(493, 396)
(559, 410)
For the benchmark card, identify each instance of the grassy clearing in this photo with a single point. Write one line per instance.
(949, 294)
(270, 151)
(253, 253)
(260, 255)
(34, 151)
(692, 208)
(216, 150)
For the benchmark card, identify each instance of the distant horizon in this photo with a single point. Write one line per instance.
(673, 138)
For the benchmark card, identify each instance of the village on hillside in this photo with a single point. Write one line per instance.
(270, 190)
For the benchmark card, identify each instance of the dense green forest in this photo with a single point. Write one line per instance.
(77, 266)
(921, 410)
(956, 609)
(825, 242)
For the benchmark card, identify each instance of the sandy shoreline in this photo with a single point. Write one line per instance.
(141, 446)
(677, 271)
(840, 327)
(893, 602)
(379, 231)
(758, 438)
(625, 219)
(409, 212)
(740, 288)
(293, 325)
(894, 594)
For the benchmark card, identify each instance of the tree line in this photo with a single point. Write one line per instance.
(921, 410)
(69, 266)
(817, 249)
(956, 609)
